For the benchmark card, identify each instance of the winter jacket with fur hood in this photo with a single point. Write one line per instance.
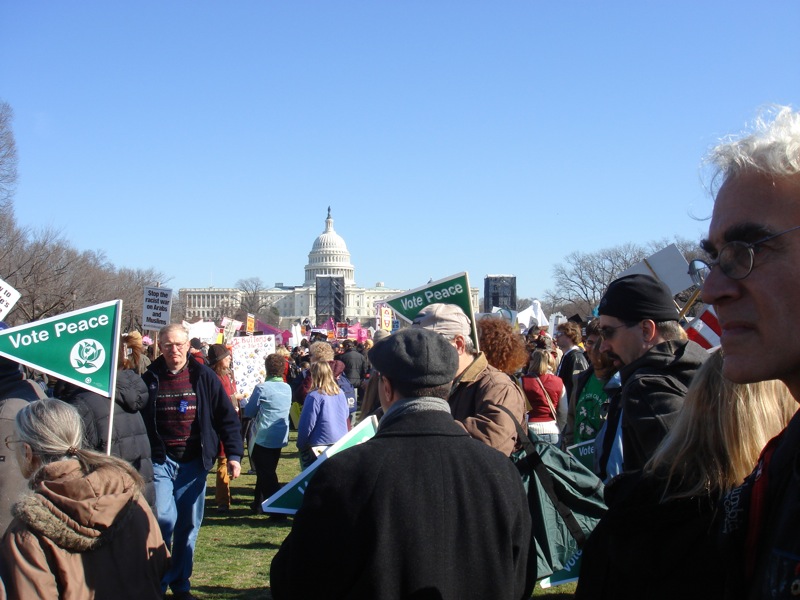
(80, 536)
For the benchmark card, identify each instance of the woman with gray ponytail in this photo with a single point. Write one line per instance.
(84, 531)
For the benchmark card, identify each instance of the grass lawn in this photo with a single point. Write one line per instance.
(234, 549)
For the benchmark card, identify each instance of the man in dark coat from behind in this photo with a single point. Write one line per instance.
(421, 510)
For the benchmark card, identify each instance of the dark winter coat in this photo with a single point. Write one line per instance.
(14, 384)
(129, 439)
(215, 413)
(653, 389)
(419, 511)
(643, 548)
(355, 366)
(574, 362)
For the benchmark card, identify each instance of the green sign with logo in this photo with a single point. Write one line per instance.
(289, 498)
(79, 346)
(451, 290)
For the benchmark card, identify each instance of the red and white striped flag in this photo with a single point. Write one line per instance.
(705, 329)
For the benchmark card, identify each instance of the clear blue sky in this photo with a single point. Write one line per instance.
(207, 139)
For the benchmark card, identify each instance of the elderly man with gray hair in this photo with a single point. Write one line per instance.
(479, 389)
(421, 510)
(752, 277)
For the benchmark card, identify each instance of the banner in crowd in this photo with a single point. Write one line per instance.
(668, 265)
(288, 499)
(568, 574)
(156, 308)
(8, 298)
(79, 346)
(247, 360)
(451, 290)
(205, 331)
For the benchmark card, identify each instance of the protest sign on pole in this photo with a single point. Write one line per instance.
(451, 290)
(668, 265)
(248, 355)
(78, 346)
(157, 303)
(8, 298)
(568, 574)
(288, 499)
(584, 452)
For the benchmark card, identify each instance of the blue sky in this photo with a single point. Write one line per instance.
(207, 139)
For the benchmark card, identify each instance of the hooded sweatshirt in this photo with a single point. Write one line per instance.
(83, 536)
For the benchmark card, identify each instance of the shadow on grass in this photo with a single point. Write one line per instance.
(212, 592)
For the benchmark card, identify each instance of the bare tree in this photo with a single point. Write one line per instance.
(8, 154)
(252, 301)
(582, 278)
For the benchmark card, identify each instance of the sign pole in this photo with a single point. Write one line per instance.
(114, 366)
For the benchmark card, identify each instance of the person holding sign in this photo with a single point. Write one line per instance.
(421, 510)
(478, 388)
(187, 415)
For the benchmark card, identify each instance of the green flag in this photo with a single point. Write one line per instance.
(451, 290)
(289, 498)
(79, 346)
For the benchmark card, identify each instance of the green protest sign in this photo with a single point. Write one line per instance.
(584, 452)
(288, 499)
(79, 346)
(451, 290)
(568, 574)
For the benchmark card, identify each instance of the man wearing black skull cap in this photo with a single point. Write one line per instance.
(422, 510)
(641, 333)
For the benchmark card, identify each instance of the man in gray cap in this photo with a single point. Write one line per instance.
(641, 333)
(419, 511)
(479, 388)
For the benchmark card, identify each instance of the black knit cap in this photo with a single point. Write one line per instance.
(415, 357)
(638, 297)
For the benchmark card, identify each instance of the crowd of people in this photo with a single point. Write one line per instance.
(697, 449)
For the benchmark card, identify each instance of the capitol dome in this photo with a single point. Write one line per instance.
(329, 256)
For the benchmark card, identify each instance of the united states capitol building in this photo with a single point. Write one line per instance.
(329, 259)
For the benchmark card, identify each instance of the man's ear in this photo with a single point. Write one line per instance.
(388, 390)
(460, 344)
(649, 331)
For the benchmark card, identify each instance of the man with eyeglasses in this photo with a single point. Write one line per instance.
(641, 333)
(187, 414)
(752, 277)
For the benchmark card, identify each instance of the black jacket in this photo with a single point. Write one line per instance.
(653, 388)
(215, 413)
(645, 548)
(419, 511)
(355, 366)
(129, 436)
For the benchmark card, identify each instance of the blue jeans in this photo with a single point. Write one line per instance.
(180, 500)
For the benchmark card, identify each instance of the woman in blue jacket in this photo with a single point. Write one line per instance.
(325, 414)
(269, 407)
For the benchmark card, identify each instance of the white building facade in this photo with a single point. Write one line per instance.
(329, 256)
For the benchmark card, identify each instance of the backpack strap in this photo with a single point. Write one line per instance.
(532, 461)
